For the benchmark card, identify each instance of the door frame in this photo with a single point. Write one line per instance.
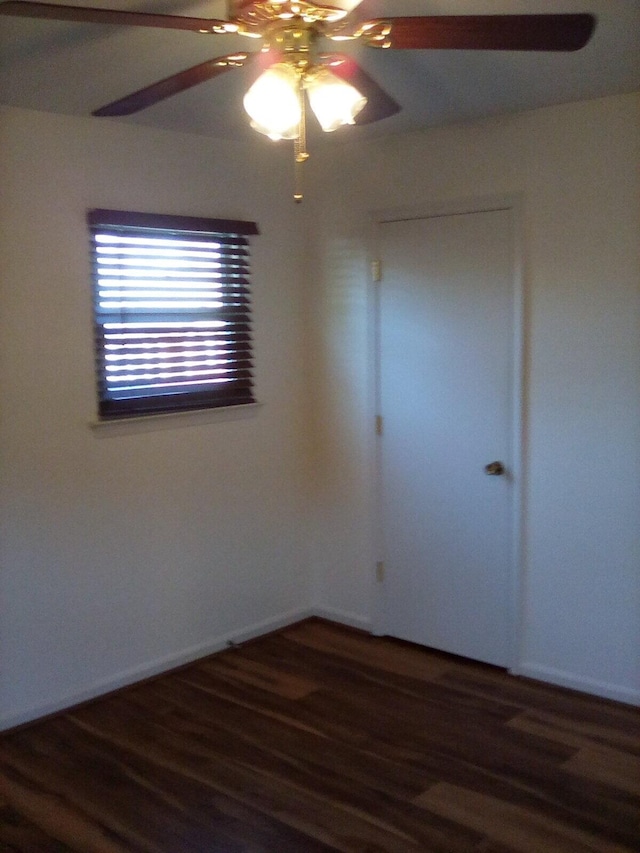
(513, 203)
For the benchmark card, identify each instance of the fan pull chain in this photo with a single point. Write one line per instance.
(301, 155)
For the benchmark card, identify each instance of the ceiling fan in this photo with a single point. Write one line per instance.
(293, 65)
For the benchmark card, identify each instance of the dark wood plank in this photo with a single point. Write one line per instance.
(517, 828)
(17, 832)
(321, 738)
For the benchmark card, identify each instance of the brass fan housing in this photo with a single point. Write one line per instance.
(260, 13)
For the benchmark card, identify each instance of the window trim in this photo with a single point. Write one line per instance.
(137, 424)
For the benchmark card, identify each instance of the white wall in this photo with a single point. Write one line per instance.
(577, 169)
(128, 549)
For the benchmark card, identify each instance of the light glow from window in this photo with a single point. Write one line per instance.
(141, 281)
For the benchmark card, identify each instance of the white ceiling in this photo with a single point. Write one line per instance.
(75, 68)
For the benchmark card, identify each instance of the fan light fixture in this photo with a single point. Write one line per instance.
(291, 31)
(276, 105)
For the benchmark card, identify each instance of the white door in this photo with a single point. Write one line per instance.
(446, 374)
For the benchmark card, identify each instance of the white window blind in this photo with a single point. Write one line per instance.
(172, 312)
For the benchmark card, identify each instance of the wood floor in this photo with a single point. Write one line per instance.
(320, 738)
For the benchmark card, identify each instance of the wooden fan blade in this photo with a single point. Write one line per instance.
(379, 104)
(481, 32)
(150, 95)
(119, 17)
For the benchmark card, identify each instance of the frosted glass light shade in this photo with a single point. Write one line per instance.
(273, 102)
(334, 101)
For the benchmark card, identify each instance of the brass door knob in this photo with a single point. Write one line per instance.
(494, 469)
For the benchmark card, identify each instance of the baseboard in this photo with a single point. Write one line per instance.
(562, 678)
(344, 617)
(153, 668)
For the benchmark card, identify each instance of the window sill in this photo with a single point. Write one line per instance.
(173, 420)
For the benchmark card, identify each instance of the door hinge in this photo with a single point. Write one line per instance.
(380, 571)
(379, 425)
(376, 271)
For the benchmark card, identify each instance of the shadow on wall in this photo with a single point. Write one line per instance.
(339, 350)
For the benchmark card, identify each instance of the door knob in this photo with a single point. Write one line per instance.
(494, 469)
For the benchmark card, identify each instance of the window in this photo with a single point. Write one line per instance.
(172, 312)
